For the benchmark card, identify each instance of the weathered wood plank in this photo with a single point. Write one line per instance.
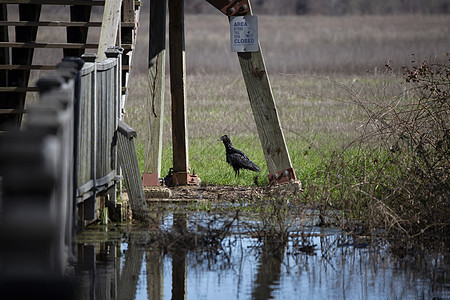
(56, 2)
(62, 2)
(32, 45)
(110, 24)
(131, 14)
(156, 79)
(59, 24)
(178, 85)
(129, 163)
(18, 90)
(86, 127)
(50, 24)
(27, 67)
(9, 111)
(264, 110)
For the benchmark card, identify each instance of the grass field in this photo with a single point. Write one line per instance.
(341, 110)
(343, 113)
(315, 64)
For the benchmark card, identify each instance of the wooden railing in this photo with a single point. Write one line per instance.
(37, 179)
(63, 168)
(99, 114)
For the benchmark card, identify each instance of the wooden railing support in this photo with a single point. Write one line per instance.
(128, 161)
(178, 87)
(155, 99)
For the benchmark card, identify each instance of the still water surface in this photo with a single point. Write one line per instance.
(316, 263)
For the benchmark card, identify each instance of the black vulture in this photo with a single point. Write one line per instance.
(237, 159)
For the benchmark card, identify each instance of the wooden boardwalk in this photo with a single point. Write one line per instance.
(62, 158)
(59, 158)
(19, 27)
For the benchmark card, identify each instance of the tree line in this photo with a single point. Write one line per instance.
(334, 7)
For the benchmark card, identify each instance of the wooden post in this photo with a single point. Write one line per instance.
(110, 24)
(130, 14)
(266, 116)
(156, 78)
(261, 101)
(178, 90)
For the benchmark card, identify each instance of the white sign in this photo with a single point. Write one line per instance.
(244, 34)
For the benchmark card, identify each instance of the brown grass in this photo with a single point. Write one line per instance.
(346, 48)
(320, 45)
(314, 44)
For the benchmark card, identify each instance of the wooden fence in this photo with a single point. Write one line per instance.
(37, 201)
(99, 114)
(61, 170)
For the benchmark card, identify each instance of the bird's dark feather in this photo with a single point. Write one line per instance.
(236, 158)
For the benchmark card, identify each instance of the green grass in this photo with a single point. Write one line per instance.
(207, 158)
(334, 126)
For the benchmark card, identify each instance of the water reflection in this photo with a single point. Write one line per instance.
(268, 274)
(315, 263)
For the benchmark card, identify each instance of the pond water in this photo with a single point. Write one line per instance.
(207, 256)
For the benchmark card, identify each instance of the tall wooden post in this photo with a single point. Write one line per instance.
(266, 115)
(262, 101)
(155, 99)
(110, 24)
(178, 91)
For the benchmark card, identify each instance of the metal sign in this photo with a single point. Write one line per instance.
(244, 34)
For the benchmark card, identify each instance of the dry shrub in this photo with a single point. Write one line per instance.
(395, 176)
(419, 129)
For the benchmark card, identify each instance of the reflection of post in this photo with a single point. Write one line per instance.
(179, 261)
(106, 283)
(268, 274)
(130, 275)
(155, 279)
(86, 269)
(179, 275)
